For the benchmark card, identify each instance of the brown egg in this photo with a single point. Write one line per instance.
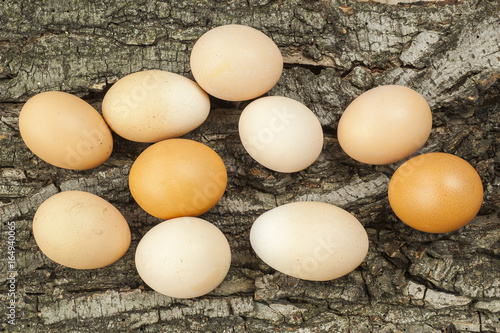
(177, 177)
(80, 230)
(436, 192)
(65, 131)
(236, 62)
(384, 125)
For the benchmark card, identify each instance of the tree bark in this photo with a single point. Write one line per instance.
(333, 51)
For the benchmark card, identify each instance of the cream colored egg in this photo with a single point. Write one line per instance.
(183, 257)
(80, 230)
(236, 62)
(65, 131)
(281, 133)
(154, 105)
(384, 125)
(309, 240)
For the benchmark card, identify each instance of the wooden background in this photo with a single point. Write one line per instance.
(333, 51)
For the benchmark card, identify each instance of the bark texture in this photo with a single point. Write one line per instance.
(334, 50)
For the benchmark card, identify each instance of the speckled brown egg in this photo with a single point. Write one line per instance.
(436, 192)
(80, 230)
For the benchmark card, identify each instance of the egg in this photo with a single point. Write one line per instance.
(384, 125)
(80, 230)
(154, 105)
(65, 131)
(309, 240)
(436, 192)
(177, 177)
(236, 62)
(184, 257)
(281, 133)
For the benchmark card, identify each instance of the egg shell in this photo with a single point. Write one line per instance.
(236, 62)
(80, 230)
(154, 105)
(309, 240)
(281, 133)
(436, 192)
(177, 177)
(65, 131)
(183, 257)
(384, 125)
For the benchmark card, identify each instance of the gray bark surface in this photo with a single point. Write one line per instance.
(410, 281)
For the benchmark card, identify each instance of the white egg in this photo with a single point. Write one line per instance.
(280, 133)
(183, 257)
(309, 240)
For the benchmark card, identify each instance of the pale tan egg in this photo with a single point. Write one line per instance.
(236, 62)
(309, 240)
(436, 192)
(183, 257)
(65, 131)
(384, 125)
(80, 230)
(281, 133)
(154, 105)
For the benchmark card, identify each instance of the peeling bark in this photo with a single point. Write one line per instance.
(333, 51)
